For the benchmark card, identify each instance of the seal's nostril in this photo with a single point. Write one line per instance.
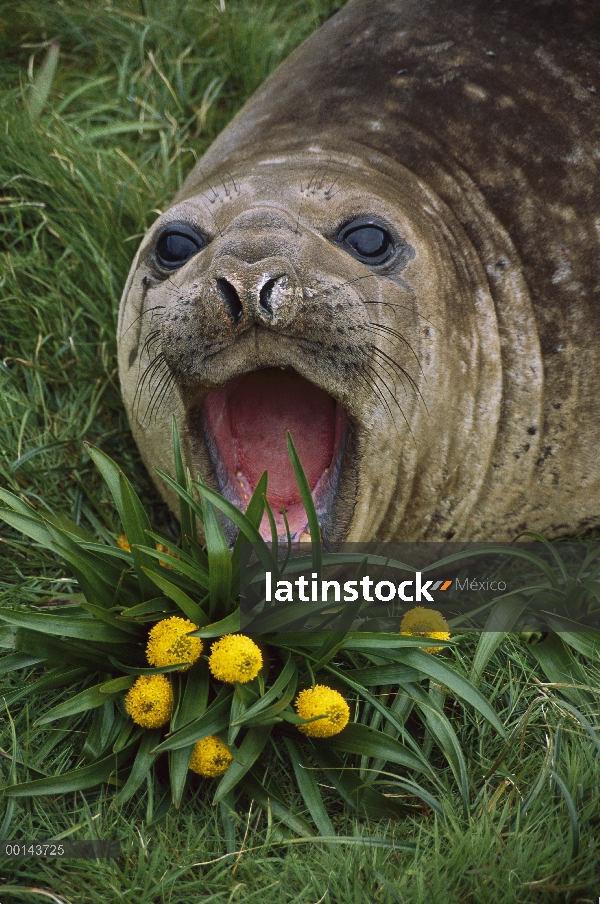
(265, 296)
(231, 300)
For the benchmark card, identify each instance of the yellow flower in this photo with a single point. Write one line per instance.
(150, 700)
(318, 701)
(210, 757)
(169, 643)
(421, 622)
(235, 658)
(123, 543)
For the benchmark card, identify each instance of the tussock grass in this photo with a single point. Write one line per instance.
(90, 152)
(500, 850)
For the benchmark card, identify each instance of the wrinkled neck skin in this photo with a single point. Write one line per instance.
(411, 352)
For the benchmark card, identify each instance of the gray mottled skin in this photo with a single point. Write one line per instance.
(473, 130)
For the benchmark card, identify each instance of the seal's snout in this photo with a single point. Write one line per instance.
(267, 293)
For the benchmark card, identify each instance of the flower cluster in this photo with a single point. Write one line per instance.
(150, 701)
(210, 757)
(321, 700)
(235, 658)
(169, 643)
(421, 622)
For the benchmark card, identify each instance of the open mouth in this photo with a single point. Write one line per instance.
(245, 424)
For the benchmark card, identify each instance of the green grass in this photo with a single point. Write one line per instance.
(495, 852)
(140, 90)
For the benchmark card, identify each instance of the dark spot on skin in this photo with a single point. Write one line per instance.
(532, 431)
(556, 405)
(133, 356)
(522, 526)
(526, 447)
(450, 534)
(501, 263)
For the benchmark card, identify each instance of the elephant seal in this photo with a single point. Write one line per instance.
(393, 251)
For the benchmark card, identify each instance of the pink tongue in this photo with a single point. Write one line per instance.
(262, 407)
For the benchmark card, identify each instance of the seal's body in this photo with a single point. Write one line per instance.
(393, 251)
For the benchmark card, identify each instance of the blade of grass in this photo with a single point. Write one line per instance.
(219, 560)
(309, 789)
(309, 505)
(42, 82)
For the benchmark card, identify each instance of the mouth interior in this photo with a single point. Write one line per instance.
(245, 423)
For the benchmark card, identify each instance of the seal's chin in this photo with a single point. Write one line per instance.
(244, 425)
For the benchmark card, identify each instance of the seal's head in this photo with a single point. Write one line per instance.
(308, 294)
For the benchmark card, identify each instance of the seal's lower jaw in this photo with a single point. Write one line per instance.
(244, 425)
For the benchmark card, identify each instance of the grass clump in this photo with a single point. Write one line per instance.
(425, 756)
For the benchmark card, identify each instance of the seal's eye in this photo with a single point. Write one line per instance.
(176, 245)
(369, 242)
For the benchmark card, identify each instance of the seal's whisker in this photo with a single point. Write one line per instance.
(339, 175)
(395, 364)
(165, 281)
(403, 307)
(164, 392)
(393, 378)
(169, 279)
(310, 181)
(372, 384)
(213, 190)
(394, 373)
(380, 327)
(299, 211)
(235, 187)
(158, 361)
(376, 377)
(156, 392)
(211, 201)
(142, 314)
(325, 171)
(212, 216)
(227, 192)
(151, 338)
(400, 370)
